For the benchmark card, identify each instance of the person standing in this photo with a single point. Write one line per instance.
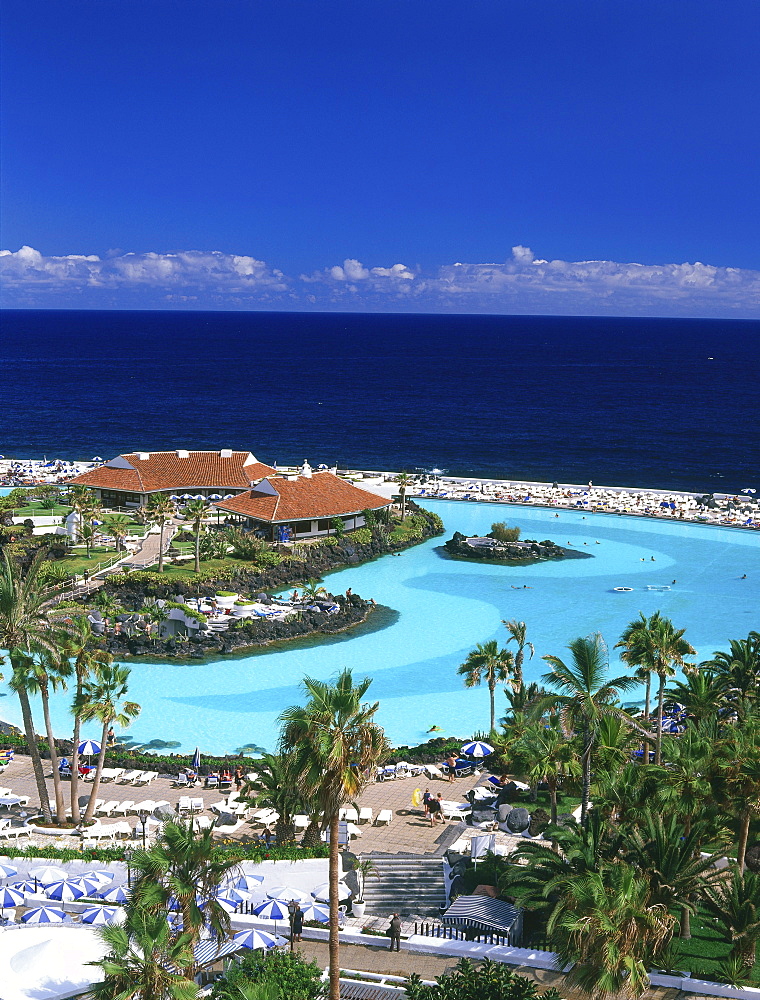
(238, 777)
(394, 931)
(296, 922)
(426, 797)
(434, 810)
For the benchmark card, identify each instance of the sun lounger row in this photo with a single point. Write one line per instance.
(129, 807)
(14, 832)
(137, 777)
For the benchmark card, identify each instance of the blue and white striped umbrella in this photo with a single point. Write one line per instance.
(47, 874)
(196, 761)
(119, 894)
(89, 748)
(248, 881)
(98, 875)
(316, 911)
(226, 903)
(8, 871)
(99, 915)
(258, 939)
(27, 886)
(64, 890)
(287, 895)
(10, 897)
(238, 895)
(477, 749)
(45, 915)
(90, 886)
(272, 909)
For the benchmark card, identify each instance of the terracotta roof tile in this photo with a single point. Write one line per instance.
(322, 495)
(166, 470)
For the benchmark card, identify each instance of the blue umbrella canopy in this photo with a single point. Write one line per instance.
(119, 894)
(88, 748)
(44, 915)
(8, 871)
(99, 915)
(10, 897)
(248, 881)
(27, 886)
(97, 875)
(316, 911)
(272, 909)
(47, 874)
(258, 939)
(226, 903)
(477, 749)
(285, 894)
(64, 890)
(89, 886)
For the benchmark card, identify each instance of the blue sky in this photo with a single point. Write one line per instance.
(296, 154)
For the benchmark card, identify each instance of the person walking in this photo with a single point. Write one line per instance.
(434, 810)
(394, 931)
(426, 797)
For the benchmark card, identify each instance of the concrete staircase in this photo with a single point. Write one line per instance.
(410, 885)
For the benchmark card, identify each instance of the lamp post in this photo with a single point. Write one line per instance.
(143, 817)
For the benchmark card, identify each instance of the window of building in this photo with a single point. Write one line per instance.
(116, 498)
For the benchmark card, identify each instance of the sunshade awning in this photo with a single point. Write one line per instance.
(482, 911)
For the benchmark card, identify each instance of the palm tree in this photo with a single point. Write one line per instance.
(100, 699)
(684, 786)
(313, 590)
(26, 630)
(160, 511)
(738, 759)
(611, 928)
(404, 481)
(118, 526)
(551, 757)
(184, 865)
(195, 512)
(142, 960)
(654, 645)
(669, 858)
(735, 901)
(276, 785)
(700, 692)
(84, 661)
(487, 662)
(81, 499)
(38, 675)
(335, 745)
(738, 673)
(517, 631)
(157, 615)
(585, 697)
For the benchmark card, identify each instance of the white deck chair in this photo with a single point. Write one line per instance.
(433, 772)
(365, 814)
(385, 816)
(185, 805)
(108, 807)
(300, 822)
(123, 808)
(128, 777)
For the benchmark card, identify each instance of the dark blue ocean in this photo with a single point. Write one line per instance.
(641, 402)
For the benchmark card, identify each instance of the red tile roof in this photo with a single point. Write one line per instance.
(322, 495)
(168, 470)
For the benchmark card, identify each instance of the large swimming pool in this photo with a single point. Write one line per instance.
(445, 607)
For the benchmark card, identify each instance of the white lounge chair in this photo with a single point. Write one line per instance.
(300, 822)
(196, 805)
(128, 777)
(148, 805)
(365, 814)
(123, 808)
(107, 807)
(180, 781)
(349, 814)
(146, 777)
(385, 816)
(185, 805)
(433, 772)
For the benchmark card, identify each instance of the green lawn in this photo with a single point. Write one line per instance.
(37, 510)
(186, 572)
(77, 562)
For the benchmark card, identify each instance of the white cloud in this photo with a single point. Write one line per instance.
(521, 284)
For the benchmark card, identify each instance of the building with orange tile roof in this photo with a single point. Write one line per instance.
(302, 506)
(129, 480)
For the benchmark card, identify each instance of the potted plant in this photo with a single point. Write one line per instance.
(226, 598)
(363, 869)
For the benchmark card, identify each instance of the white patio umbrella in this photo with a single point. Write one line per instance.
(316, 911)
(45, 915)
(47, 874)
(322, 892)
(258, 939)
(119, 894)
(98, 875)
(10, 897)
(272, 909)
(8, 871)
(88, 748)
(28, 886)
(477, 749)
(89, 886)
(64, 890)
(285, 894)
(226, 903)
(248, 881)
(99, 915)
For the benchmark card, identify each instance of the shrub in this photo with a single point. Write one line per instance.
(502, 533)
(369, 518)
(362, 536)
(268, 558)
(490, 981)
(338, 526)
(295, 978)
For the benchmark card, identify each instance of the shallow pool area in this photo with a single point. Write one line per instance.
(444, 608)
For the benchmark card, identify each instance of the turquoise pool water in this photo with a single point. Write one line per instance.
(446, 607)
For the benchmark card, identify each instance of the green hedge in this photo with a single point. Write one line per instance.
(248, 852)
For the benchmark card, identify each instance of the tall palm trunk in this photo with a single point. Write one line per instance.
(647, 696)
(197, 547)
(685, 923)
(311, 833)
(492, 693)
(553, 799)
(660, 705)
(34, 753)
(90, 811)
(334, 938)
(741, 848)
(161, 547)
(60, 804)
(517, 669)
(586, 794)
(75, 753)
